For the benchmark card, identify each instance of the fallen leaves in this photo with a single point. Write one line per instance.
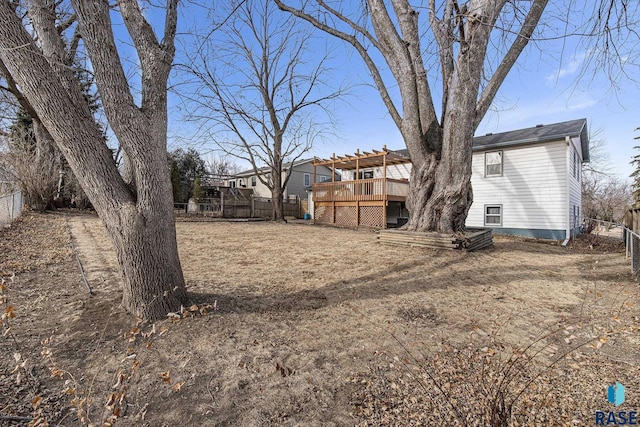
(8, 313)
(283, 370)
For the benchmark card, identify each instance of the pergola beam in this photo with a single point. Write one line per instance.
(364, 159)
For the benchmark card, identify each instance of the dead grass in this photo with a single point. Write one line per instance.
(310, 325)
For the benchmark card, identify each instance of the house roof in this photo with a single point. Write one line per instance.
(537, 134)
(266, 169)
(532, 135)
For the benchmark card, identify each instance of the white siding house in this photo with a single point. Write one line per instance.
(528, 182)
(525, 182)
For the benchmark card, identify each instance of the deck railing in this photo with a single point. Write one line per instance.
(360, 190)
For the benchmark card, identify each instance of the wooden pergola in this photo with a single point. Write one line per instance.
(361, 201)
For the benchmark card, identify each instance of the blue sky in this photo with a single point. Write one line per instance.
(537, 91)
(553, 81)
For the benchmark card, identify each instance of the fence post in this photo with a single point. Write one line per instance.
(632, 257)
(222, 204)
(253, 207)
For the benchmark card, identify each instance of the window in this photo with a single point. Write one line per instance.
(575, 164)
(493, 215)
(363, 175)
(323, 178)
(307, 180)
(493, 163)
(254, 181)
(232, 184)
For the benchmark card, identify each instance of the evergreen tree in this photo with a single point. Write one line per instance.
(198, 192)
(185, 166)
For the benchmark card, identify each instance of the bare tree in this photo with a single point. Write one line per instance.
(472, 44)
(30, 156)
(604, 196)
(220, 167)
(258, 96)
(30, 161)
(137, 209)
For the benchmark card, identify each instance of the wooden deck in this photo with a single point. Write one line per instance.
(372, 189)
(363, 201)
(357, 203)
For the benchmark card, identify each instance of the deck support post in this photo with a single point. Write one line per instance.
(333, 212)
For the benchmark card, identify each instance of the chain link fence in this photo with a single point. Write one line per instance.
(10, 207)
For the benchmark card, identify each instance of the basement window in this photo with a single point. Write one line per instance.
(493, 215)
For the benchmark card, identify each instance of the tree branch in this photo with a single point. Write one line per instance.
(490, 91)
(352, 40)
(105, 60)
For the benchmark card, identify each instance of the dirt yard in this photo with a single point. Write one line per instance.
(294, 324)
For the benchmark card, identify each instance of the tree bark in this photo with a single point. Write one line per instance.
(278, 205)
(138, 215)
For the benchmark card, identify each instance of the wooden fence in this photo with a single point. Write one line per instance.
(10, 207)
(632, 218)
(227, 207)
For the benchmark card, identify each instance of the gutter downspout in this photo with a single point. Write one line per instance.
(567, 191)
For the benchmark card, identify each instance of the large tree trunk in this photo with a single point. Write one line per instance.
(138, 213)
(277, 193)
(153, 280)
(439, 196)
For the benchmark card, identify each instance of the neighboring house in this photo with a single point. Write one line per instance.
(300, 182)
(525, 182)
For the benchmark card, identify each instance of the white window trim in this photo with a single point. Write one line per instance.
(486, 174)
(254, 181)
(306, 180)
(492, 215)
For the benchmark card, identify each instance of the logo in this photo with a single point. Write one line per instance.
(615, 394)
